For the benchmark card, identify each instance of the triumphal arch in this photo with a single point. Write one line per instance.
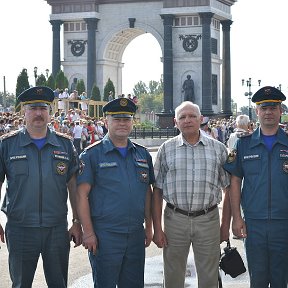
(194, 36)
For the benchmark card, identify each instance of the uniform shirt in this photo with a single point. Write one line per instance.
(265, 175)
(36, 194)
(191, 177)
(118, 184)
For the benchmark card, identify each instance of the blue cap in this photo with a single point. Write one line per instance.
(120, 108)
(37, 96)
(268, 96)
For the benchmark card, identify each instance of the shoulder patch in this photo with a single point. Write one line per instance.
(63, 135)
(243, 134)
(231, 156)
(9, 134)
(93, 144)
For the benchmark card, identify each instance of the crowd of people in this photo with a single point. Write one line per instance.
(117, 194)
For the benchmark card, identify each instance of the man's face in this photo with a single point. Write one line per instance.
(269, 116)
(119, 127)
(188, 120)
(37, 117)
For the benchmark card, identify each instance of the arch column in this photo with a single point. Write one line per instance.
(56, 62)
(168, 63)
(91, 54)
(206, 64)
(226, 69)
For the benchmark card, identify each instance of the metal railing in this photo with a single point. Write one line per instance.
(154, 133)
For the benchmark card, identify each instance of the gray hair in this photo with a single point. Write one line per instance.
(242, 120)
(184, 104)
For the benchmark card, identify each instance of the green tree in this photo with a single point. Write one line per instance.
(22, 85)
(61, 81)
(51, 82)
(108, 87)
(140, 88)
(10, 99)
(41, 80)
(96, 96)
(80, 87)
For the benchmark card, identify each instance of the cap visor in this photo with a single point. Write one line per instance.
(121, 116)
(269, 104)
(38, 104)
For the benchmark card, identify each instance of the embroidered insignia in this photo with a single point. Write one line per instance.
(285, 166)
(61, 168)
(81, 166)
(143, 176)
(231, 156)
(123, 102)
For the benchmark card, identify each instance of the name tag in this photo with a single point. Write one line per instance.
(18, 157)
(251, 157)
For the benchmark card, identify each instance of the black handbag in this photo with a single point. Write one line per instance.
(231, 262)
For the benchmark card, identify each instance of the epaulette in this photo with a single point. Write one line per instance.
(64, 135)
(93, 144)
(9, 134)
(137, 144)
(243, 134)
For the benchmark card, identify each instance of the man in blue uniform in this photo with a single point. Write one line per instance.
(114, 198)
(39, 166)
(260, 160)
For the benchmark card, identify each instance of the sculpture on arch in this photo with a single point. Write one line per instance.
(188, 89)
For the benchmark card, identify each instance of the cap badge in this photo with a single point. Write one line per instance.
(267, 91)
(123, 102)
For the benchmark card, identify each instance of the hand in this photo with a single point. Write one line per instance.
(75, 233)
(239, 227)
(224, 232)
(2, 234)
(148, 236)
(160, 239)
(89, 241)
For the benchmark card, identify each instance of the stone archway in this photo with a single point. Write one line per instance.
(188, 32)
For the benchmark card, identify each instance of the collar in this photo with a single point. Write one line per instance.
(109, 146)
(26, 139)
(256, 139)
(180, 140)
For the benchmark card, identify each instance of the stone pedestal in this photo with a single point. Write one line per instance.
(166, 120)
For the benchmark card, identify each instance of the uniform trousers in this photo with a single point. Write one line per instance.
(203, 233)
(119, 260)
(267, 253)
(25, 244)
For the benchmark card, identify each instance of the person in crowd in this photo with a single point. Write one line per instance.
(189, 176)
(39, 166)
(110, 96)
(91, 131)
(77, 136)
(112, 225)
(259, 181)
(242, 128)
(83, 104)
(204, 126)
(99, 130)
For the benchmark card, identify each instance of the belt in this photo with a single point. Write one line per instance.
(191, 213)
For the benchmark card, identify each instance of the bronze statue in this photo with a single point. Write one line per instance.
(188, 89)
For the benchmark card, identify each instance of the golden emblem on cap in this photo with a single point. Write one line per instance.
(267, 91)
(39, 91)
(123, 102)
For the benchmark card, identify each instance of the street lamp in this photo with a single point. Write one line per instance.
(35, 74)
(47, 72)
(249, 93)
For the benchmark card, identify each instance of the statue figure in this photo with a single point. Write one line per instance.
(188, 89)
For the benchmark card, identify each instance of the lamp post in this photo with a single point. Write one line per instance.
(35, 74)
(47, 72)
(249, 93)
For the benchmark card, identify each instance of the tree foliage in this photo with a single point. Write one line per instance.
(80, 87)
(61, 81)
(108, 87)
(41, 80)
(22, 85)
(96, 96)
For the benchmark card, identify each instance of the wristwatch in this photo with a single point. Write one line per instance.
(75, 220)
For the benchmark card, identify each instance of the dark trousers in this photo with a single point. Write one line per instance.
(25, 245)
(267, 253)
(119, 260)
